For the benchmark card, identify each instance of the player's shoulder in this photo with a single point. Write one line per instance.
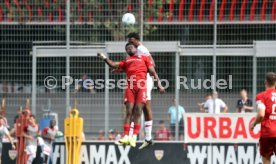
(142, 47)
(209, 101)
(260, 97)
(143, 50)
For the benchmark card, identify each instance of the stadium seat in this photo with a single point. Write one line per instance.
(273, 16)
(191, 10)
(221, 10)
(201, 10)
(211, 11)
(252, 10)
(167, 10)
(1, 14)
(232, 10)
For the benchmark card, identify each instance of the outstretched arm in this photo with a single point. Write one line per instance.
(156, 78)
(108, 61)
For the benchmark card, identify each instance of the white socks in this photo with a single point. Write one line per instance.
(148, 130)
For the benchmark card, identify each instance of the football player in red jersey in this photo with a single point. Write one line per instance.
(266, 115)
(136, 68)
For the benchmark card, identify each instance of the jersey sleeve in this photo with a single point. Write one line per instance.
(148, 62)
(259, 98)
(45, 130)
(6, 131)
(222, 104)
(206, 104)
(260, 101)
(122, 64)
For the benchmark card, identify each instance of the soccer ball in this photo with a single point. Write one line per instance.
(128, 19)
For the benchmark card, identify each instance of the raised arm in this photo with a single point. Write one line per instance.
(108, 61)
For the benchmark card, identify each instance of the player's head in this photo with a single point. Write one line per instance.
(101, 132)
(161, 124)
(243, 93)
(32, 119)
(130, 49)
(270, 80)
(214, 94)
(52, 123)
(208, 96)
(174, 101)
(133, 38)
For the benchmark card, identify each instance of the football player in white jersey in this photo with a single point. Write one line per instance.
(134, 38)
(4, 132)
(31, 132)
(49, 134)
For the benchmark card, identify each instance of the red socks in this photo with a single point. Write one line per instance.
(136, 129)
(126, 129)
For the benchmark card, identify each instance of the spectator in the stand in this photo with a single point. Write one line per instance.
(172, 118)
(111, 135)
(244, 104)
(214, 105)
(86, 86)
(162, 133)
(101, 135)
(201, 105)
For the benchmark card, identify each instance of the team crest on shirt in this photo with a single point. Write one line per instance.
(12, 154)
(139, 56)
(159, 154)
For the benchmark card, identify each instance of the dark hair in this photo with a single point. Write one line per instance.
(133, 35)
(128, 45)
(32, 116)
(161, 122)
(208, 94)
(271, 79)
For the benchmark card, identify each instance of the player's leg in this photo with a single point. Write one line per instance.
(267, 146)
(148, 115)
(31, 153)
(137, 112)
(266, 160)
(127, 120)
(148, 125)
(148, 120)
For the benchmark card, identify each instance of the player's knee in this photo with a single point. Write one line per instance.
(138, 112)
(128, 114)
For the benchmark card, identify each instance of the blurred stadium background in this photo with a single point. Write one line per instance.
(228, 34)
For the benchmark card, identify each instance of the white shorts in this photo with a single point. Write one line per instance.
(47, 149)
(149, 86)
(31, 150)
